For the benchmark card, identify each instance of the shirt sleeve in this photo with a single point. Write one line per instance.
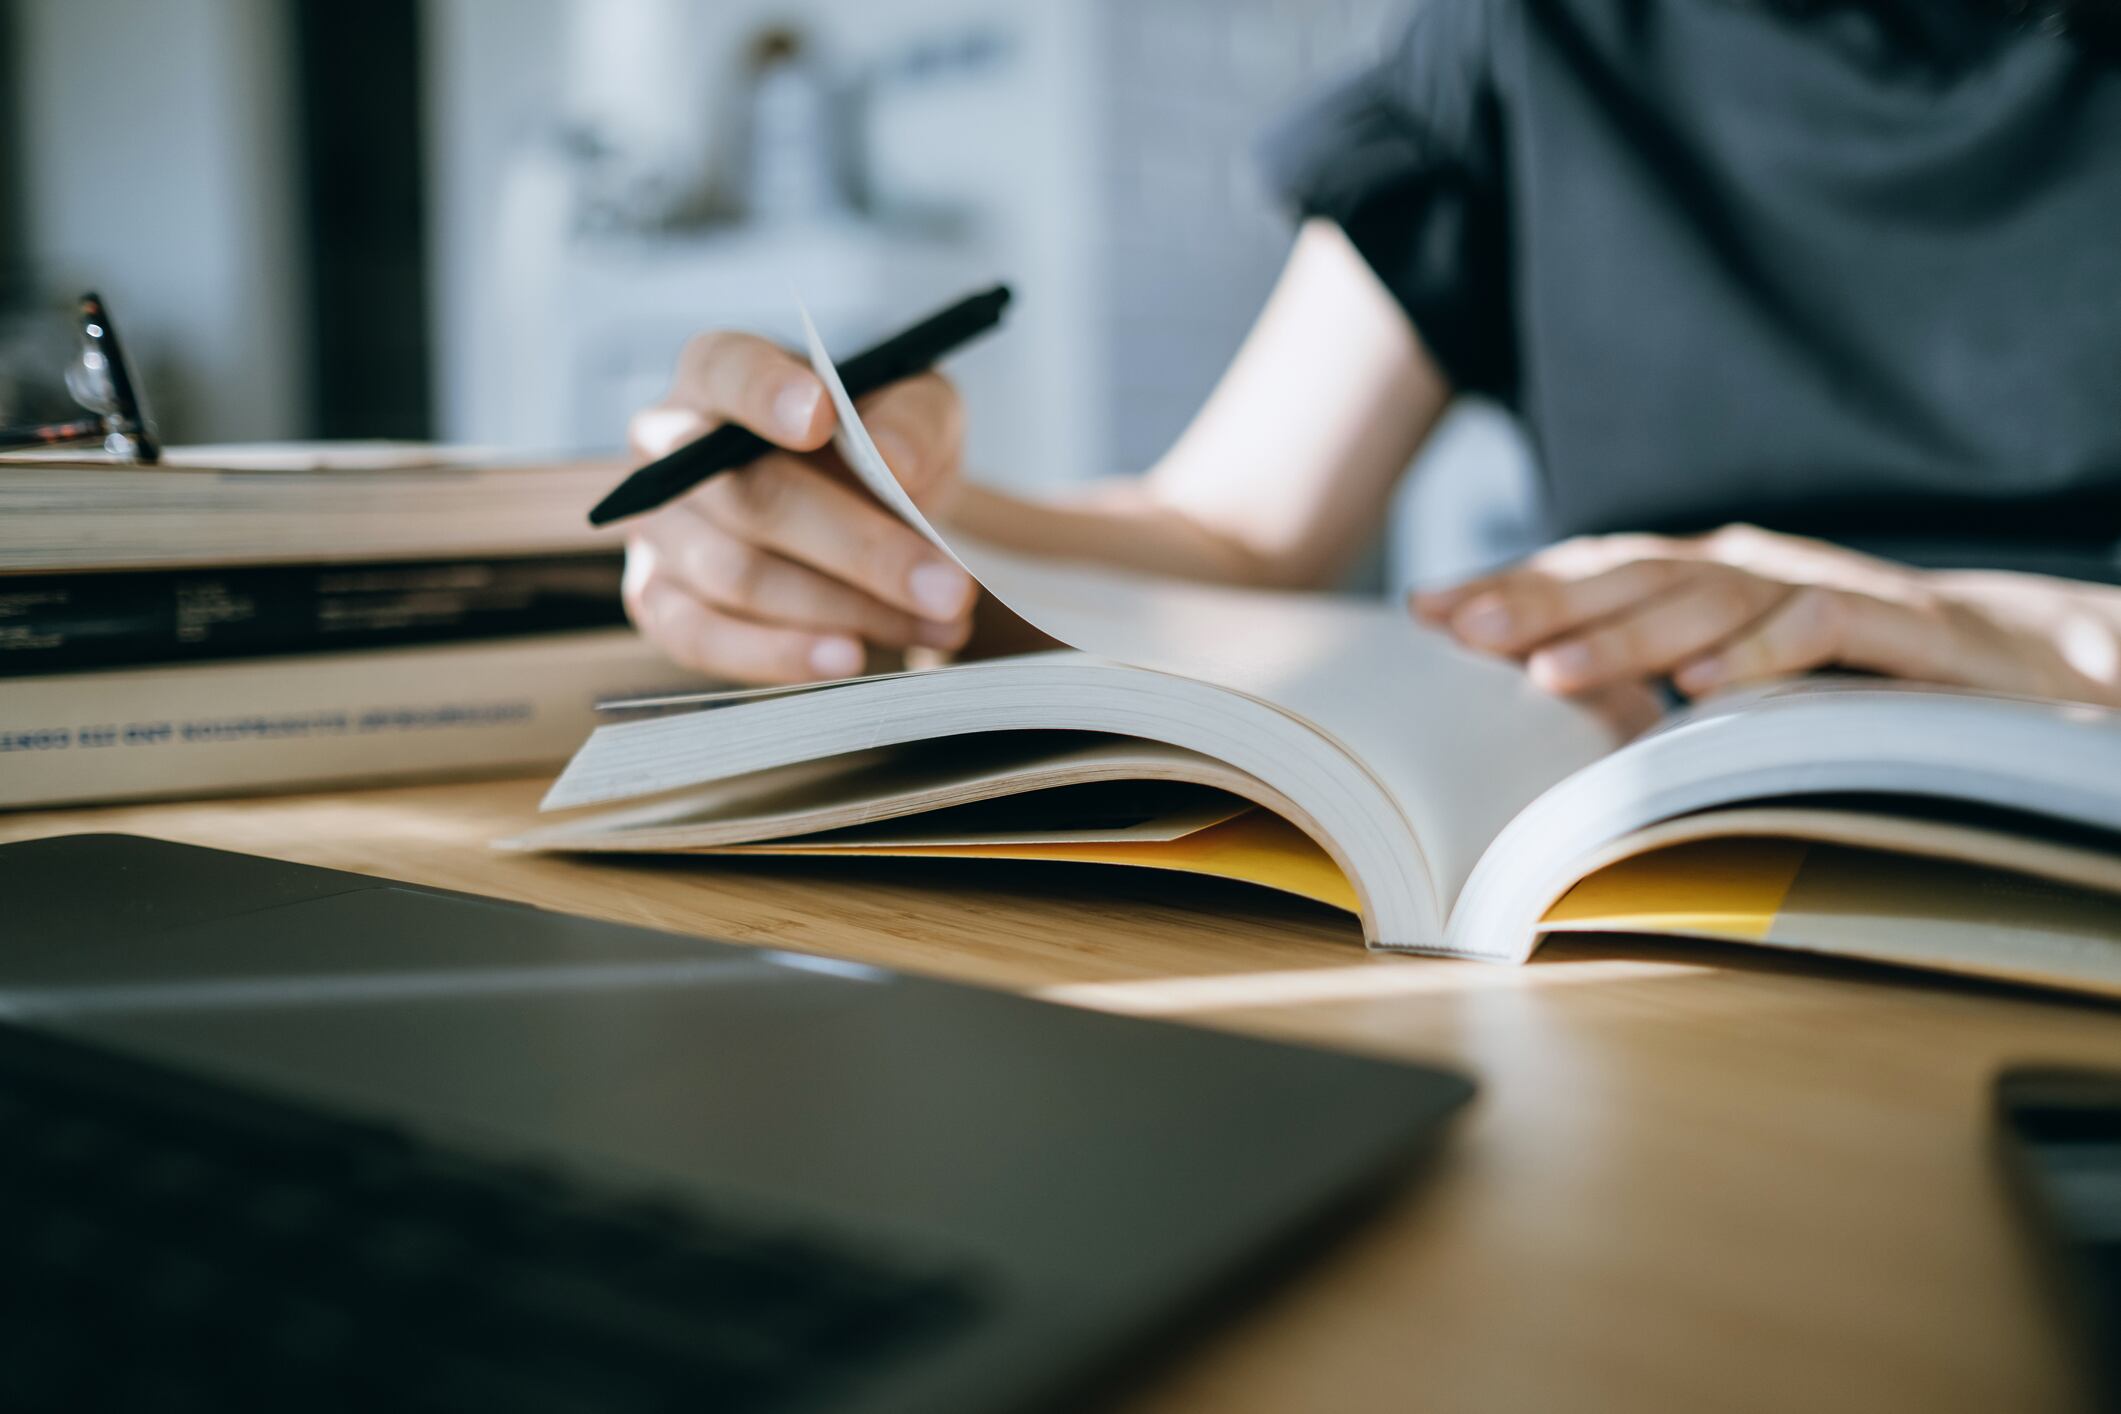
(1407, 158)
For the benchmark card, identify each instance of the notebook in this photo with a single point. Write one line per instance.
(1337, 750)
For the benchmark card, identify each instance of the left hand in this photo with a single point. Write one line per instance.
(1742, 605)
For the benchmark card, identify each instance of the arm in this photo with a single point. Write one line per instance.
(784, 571)
(1283, 475)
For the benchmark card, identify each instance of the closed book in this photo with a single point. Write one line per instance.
(295, 503)
(348, 718)
(58, 622)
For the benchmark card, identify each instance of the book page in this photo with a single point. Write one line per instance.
(1460, 742)
(839, 793)
(1909, 910)
(1252, 846)
(1100, 812)
(1953, 772)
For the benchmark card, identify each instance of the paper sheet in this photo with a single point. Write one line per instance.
(859, 451)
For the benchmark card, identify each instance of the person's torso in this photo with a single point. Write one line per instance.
(1803, 269)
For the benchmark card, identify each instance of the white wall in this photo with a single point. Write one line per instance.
(493, 67)
(528, 318)
(156, 169)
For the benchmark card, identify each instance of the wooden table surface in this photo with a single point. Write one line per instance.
(1696, 1178)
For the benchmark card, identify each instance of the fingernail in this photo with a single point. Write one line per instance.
(1485, 620)
(795, 405)
(1560, 667)
(836, 657)
(940, 589)
(941, 633)
(1698, 676)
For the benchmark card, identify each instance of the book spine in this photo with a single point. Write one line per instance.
(232, 728)
(54, 623)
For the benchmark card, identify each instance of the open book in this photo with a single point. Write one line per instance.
(1338, 750)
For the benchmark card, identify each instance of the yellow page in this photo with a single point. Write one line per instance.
(1726, 888)
(1806, 896)
(1880, 906)
(1256, 847)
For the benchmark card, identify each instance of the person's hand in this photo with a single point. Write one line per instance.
(1743, 605)
(787, 570)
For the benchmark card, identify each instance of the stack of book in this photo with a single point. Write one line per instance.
(239, 619)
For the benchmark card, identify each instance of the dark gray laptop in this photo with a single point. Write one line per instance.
(399, 1146)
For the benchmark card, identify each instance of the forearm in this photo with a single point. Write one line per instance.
(1115, 525)
(1283, 477)
(1118, 523)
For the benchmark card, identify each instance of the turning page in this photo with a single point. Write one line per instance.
(1460, 742)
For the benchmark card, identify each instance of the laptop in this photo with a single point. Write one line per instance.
(302, 1138)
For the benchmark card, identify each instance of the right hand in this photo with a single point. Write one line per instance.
(787, 570)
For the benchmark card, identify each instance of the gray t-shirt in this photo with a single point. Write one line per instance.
(1845, 269)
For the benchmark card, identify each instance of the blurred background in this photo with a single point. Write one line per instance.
(495, 221)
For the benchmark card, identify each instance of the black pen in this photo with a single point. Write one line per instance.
(728, 447)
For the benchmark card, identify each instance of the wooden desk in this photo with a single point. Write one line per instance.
(1696, 1179)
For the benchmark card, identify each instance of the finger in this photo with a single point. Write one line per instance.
(795, 509)
(722, 645)
(1819, 627)
(1436, 605)
(741, 378)
(656, 432)
(1658, 634)
(919, 426)
(1796, 636)
(1433, 606)
(1567, 561)
(764, 587)
(1524, 609)
(1627, 708)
